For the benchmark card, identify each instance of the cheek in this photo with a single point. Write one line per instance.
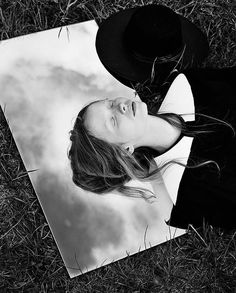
(125, 130)
(133, 130)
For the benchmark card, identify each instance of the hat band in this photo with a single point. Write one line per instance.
(158, 59)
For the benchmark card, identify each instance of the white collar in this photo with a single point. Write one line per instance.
(179, 99)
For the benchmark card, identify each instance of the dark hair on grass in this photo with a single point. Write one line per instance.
(102, 167)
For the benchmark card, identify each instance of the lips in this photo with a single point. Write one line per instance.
(134, 108)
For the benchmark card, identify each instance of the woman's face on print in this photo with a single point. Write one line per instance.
(120, 120)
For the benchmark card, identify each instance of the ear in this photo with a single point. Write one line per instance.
(129, 147)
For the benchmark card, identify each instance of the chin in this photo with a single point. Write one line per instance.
(144, 106)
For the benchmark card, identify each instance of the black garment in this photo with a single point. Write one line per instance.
(204, 193)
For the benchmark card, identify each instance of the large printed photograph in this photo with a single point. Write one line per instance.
(45, 80)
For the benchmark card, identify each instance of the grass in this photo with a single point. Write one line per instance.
(200, 261)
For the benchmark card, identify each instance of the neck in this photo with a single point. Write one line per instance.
(160, 134)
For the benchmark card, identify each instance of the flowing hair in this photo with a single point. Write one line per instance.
(102, 167)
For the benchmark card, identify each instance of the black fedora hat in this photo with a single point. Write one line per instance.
(129, 41)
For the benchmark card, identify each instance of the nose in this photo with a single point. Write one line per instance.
(122, 107)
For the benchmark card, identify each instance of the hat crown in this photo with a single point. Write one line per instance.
(154, 31)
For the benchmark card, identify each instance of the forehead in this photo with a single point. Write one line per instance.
(94, 118)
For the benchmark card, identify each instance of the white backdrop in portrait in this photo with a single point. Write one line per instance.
(45, 79)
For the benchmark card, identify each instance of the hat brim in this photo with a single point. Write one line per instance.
(119, 62)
